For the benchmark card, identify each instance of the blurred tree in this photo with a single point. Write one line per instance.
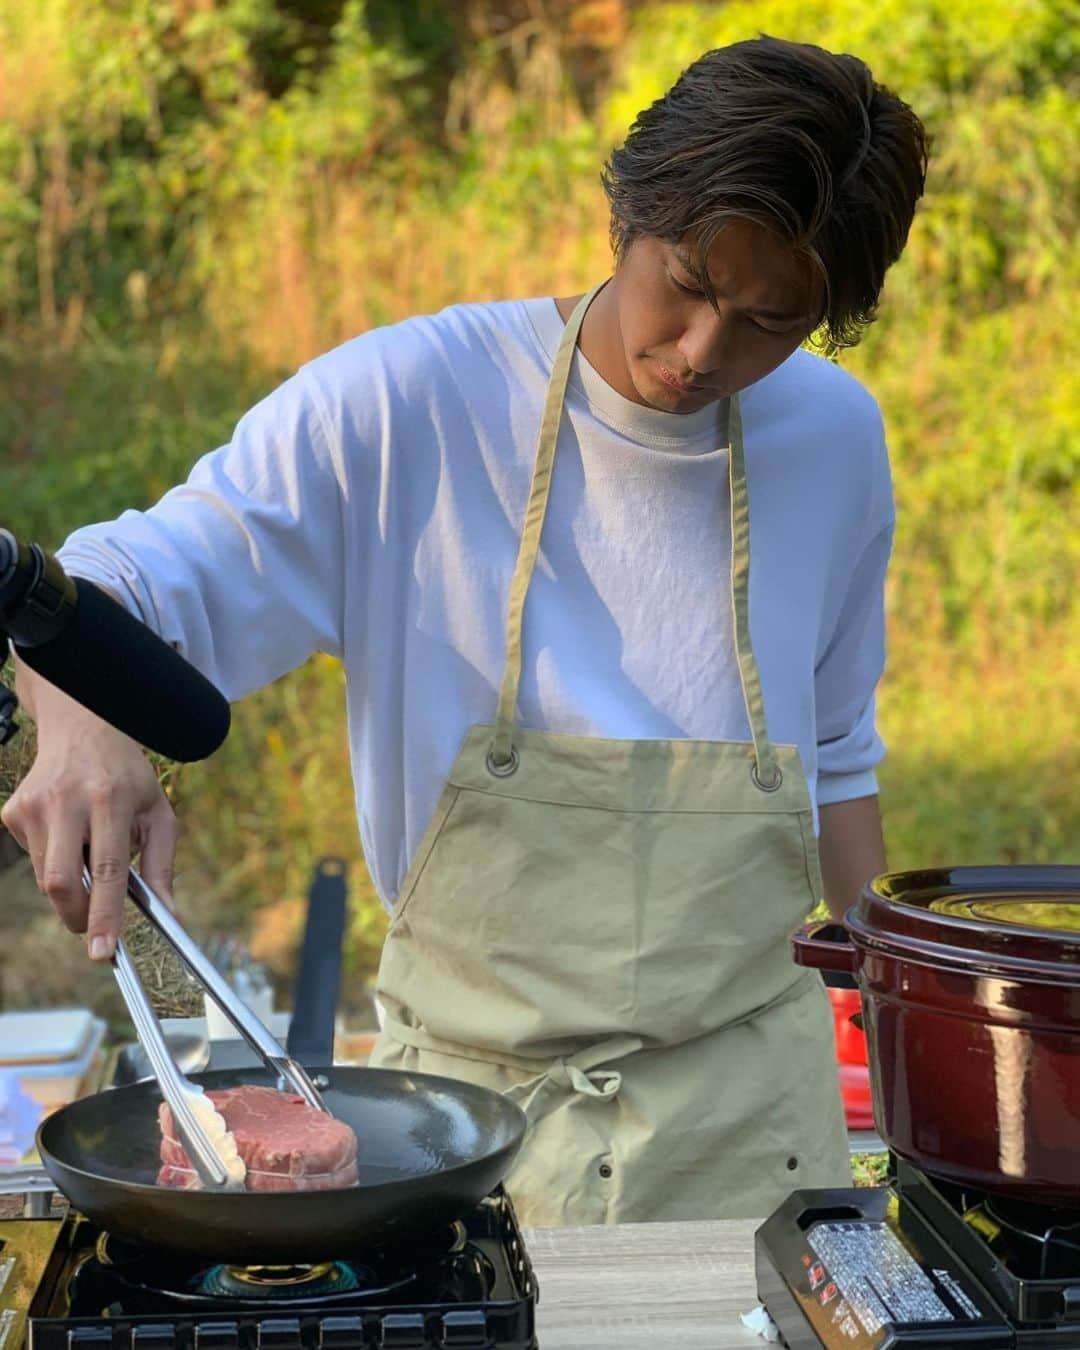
(196, 195)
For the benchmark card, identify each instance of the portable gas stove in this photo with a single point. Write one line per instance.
(66, 1284)
(919, 1262)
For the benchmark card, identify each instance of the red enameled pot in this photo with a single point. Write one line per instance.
(970, 984)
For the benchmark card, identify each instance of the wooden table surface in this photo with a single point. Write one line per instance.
(645, 1286)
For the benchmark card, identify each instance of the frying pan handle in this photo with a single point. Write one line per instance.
(311, 1028)
(825, 946)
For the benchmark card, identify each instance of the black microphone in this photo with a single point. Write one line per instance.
(88, 645)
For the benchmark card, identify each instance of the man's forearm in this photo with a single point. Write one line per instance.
(851, 848)
(27, 684)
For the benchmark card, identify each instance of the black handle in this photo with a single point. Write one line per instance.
(311, 1029)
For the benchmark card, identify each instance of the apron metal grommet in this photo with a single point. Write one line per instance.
(772, 785)
(505, 769)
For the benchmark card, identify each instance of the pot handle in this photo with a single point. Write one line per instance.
(825, 946)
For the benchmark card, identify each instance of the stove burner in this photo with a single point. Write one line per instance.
(465, 1282)
(135, 1275)
(1044, 1240)
(130, 1275)
(284, 1282)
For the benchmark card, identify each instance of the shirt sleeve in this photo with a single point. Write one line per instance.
(845, 679)
(240, 568)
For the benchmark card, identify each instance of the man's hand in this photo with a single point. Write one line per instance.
(851, 848)
(90, 788)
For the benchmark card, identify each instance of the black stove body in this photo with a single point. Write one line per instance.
(65, 1284)
(919, 1262)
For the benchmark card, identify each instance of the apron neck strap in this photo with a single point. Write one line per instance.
(502, 757)
(766, 771)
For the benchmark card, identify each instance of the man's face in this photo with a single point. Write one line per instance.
(680, 353)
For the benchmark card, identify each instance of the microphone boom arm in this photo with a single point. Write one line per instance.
(36, 595)
(87, 644)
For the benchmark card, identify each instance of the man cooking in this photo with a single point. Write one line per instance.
(605, 573)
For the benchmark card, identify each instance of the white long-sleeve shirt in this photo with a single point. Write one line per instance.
(371, 507)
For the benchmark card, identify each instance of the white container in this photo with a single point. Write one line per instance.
(218, 1026)
(50, 1050)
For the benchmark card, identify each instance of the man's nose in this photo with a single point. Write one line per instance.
(707, 343)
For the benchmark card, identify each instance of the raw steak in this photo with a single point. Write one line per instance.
(286, 1145)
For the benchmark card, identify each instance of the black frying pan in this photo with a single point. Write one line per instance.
(429, 1148)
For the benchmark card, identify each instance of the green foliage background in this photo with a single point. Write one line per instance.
(197, 195)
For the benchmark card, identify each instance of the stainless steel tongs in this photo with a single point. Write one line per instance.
(206, 1158)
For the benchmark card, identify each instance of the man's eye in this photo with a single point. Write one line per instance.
(772, 332)
(694, 290)
(687, 290)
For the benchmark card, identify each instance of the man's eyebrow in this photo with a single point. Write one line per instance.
(685, 260)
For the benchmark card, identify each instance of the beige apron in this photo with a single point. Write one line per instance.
(600, 928)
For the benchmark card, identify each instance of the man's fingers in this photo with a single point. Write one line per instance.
(157, 855)
(21, 822)
(61, 872)
(110, 845)
(11, 820)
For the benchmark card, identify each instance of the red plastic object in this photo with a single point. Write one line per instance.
(851, 1060)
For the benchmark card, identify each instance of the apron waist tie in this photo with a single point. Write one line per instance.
(579, 1072)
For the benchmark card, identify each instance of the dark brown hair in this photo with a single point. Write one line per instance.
(796, 138)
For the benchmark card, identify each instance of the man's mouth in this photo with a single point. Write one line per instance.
(684, 387)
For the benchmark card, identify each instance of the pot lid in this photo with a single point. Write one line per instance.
(1015, 918)
(1024, 908)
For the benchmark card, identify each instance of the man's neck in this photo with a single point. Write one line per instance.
(600, 342)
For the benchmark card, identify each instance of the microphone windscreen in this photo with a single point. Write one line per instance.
(116, 666)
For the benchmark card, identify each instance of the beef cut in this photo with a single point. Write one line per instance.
(286, 1145)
